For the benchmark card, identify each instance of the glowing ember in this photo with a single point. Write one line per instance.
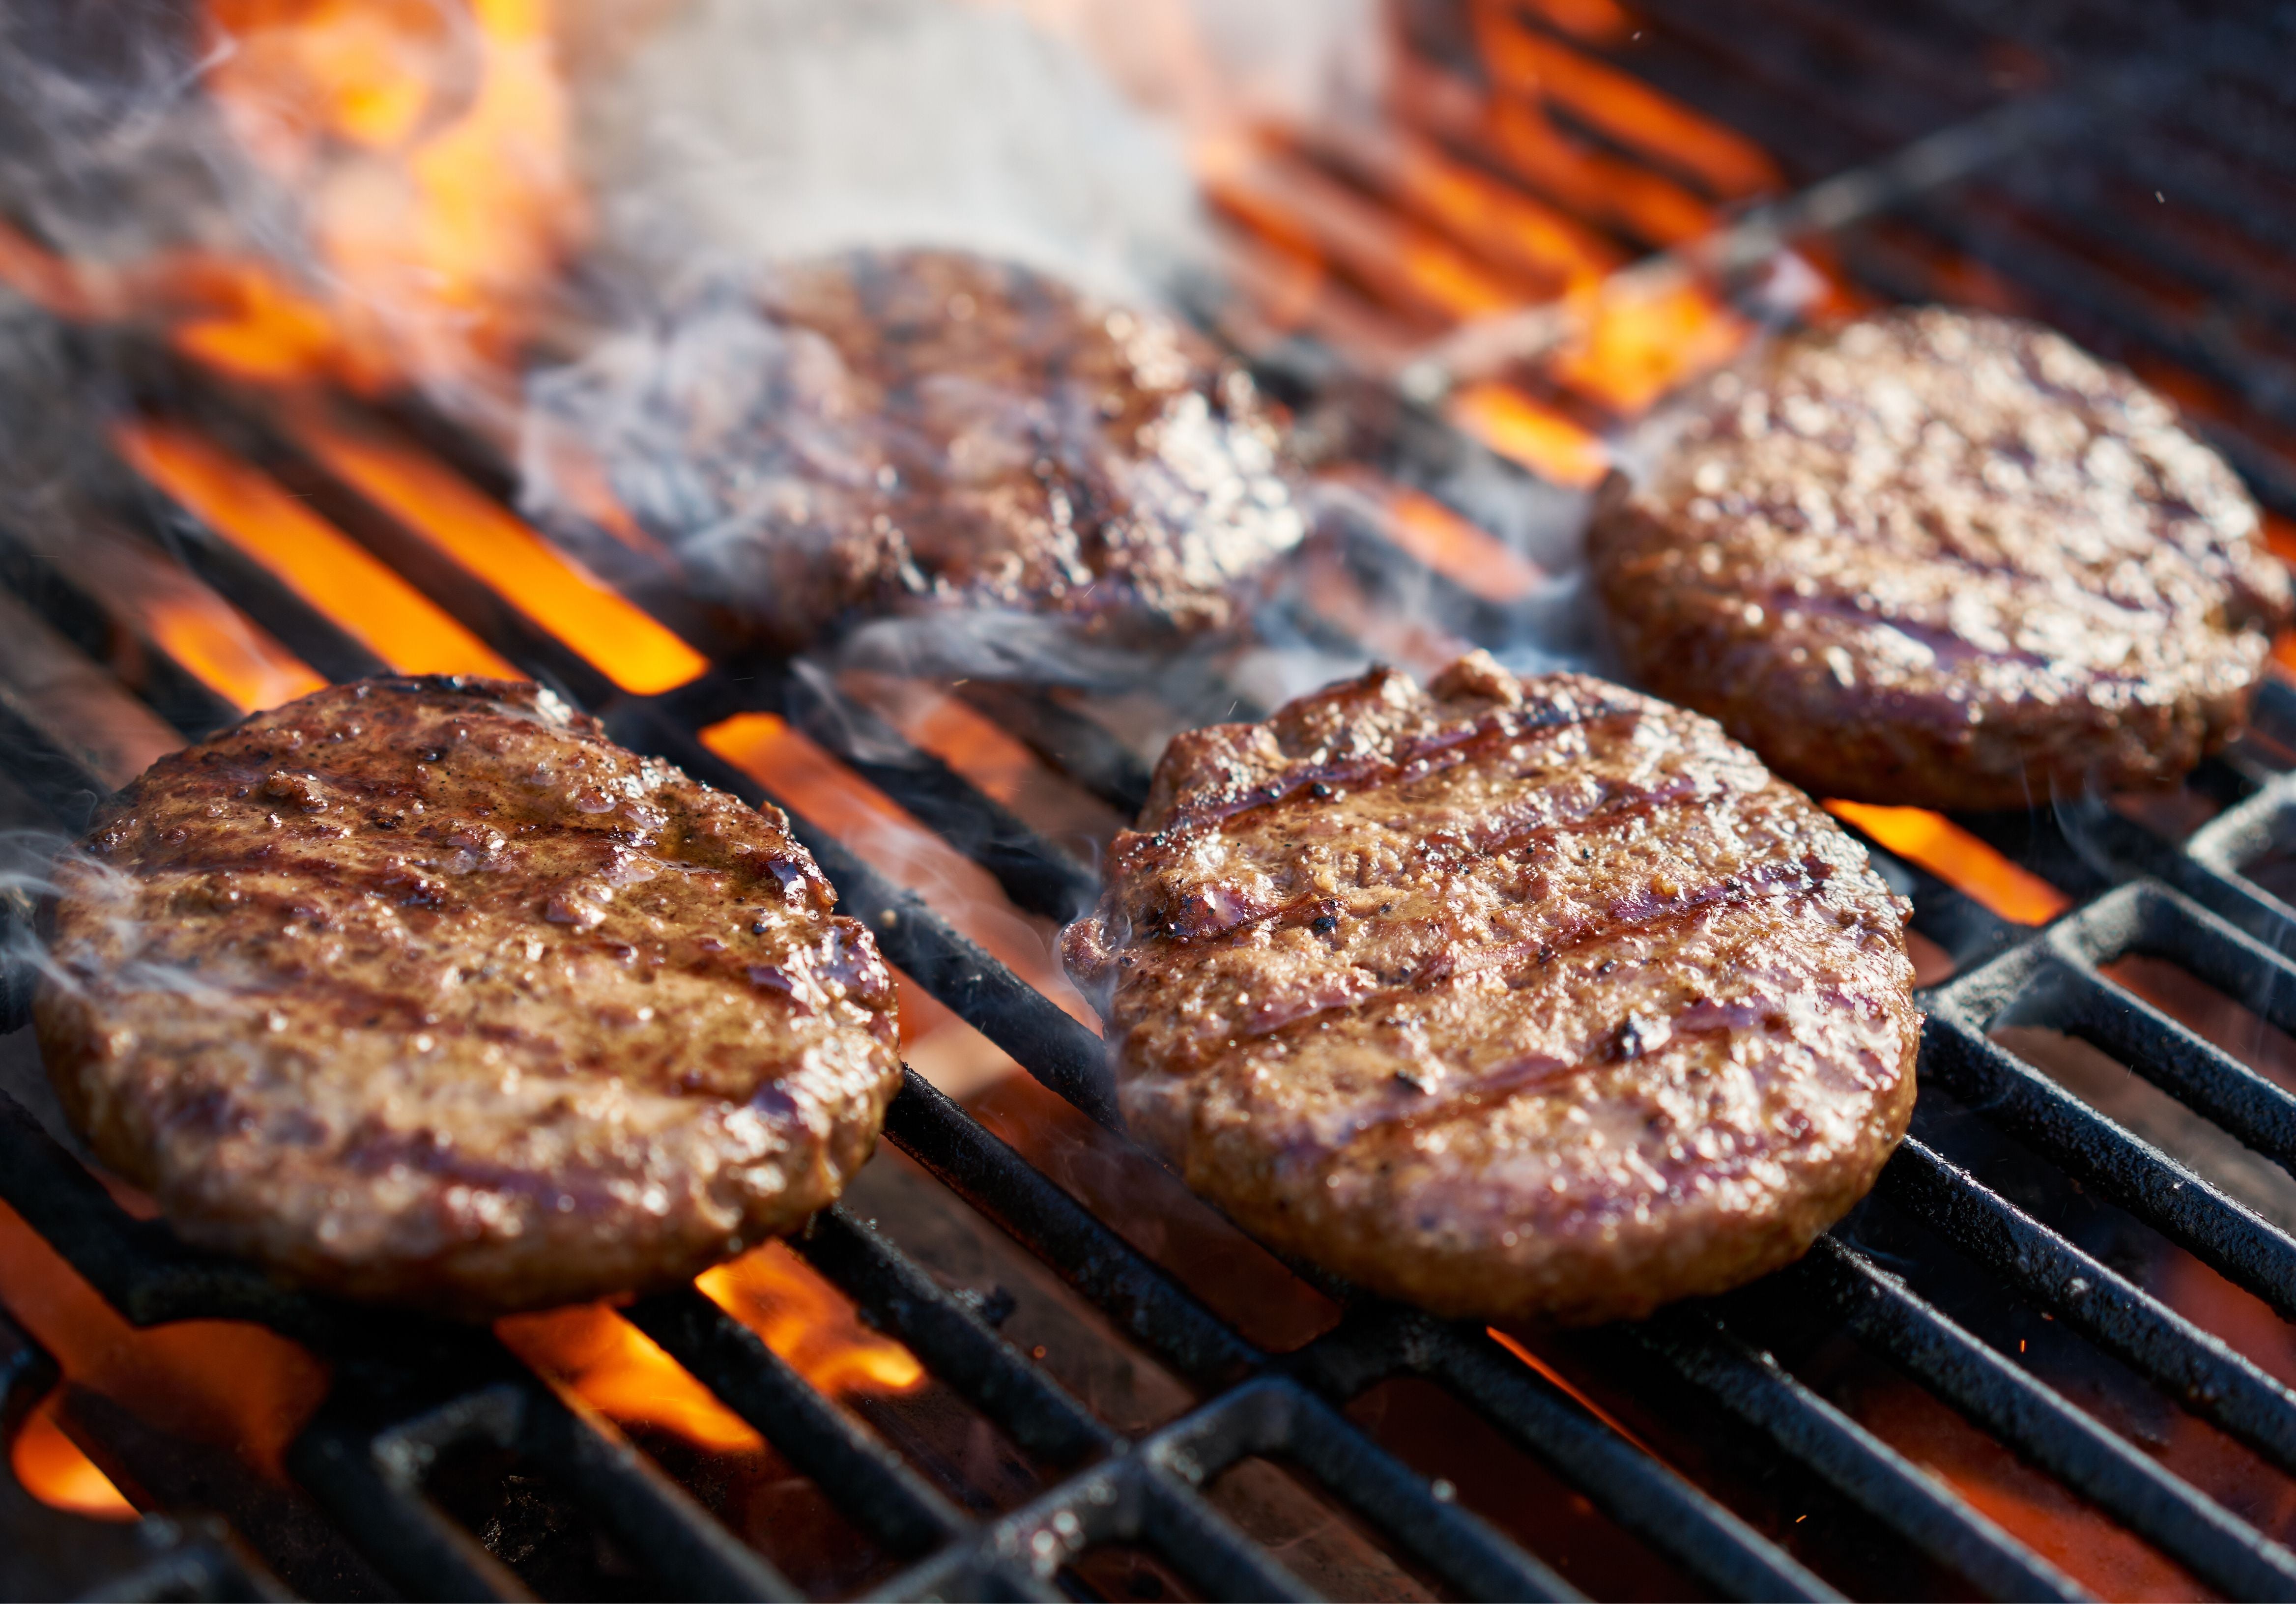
(50, 1467)
(625, 642)
(324, 567)
(1543, 440)
(1953, 854)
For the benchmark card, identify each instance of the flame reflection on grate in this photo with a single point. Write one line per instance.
(50, 1467)
(622, 640)
(1953, 854)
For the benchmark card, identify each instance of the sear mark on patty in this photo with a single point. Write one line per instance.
(1944, 559)
(1522, 999)
(315, 987)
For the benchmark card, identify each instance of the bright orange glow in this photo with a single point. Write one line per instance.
(799, 772)
(1469, 556)
(1555, 447)
(621, 640)
(1500, 221)
(1525, 61)
(1953, 854)
(324, 567)
(622, 1373)
(50, 1467)
(1563, 1381)
(1597, 21)
(430, 155)
(1594, 182)
(1295, 204)
(213, 1381)
(809, 1323)
(198, 629)
(1633, 345)
(229, 656)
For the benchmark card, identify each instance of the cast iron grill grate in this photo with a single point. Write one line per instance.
(410, 1395)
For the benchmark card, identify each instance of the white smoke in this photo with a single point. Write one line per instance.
(747, 131)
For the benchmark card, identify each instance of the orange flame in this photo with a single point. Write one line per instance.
(1524, 61)
(325, 567)
(50, 1467)
(1632, 344)
(618, 1370)
(1548, 443)
(809, 1323)
(235, 1386)
(428, 144)
(1468, 555)
(1951, 853)
(225, 654)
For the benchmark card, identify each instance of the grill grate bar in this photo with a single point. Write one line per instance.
(2097, 1152)
(1642, 1495)
(2194, 1070)
(1146, 1303)
(2221, 1550)
(952, 1340)
(872, 1484)
(1755, 1389)
(1276, 1416)
(2208, 1376)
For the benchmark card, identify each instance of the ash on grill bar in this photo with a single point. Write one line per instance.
(298, 301)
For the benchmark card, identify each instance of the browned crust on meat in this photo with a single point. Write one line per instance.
(1944, 559)
(956, 432)
(423, 990)
(1518, 999)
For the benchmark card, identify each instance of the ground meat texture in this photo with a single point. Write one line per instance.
(1945, 559)
(1528, 1000)
(421, 990)
(927, 431)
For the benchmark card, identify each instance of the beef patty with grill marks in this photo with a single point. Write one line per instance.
(423, 990)
(930, 432)
(1945, 559)
(1514, 998)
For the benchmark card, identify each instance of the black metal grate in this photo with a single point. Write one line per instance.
(410, 1395)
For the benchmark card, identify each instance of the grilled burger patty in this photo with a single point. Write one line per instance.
(423, 990)
(1946, 560)
(924, 429)
(1527, 999)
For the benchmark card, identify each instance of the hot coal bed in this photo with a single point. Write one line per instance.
(2047, 1358)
